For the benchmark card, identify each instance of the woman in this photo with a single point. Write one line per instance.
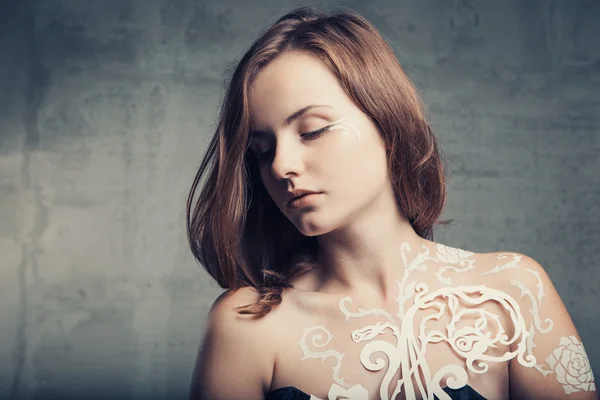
(341, 293)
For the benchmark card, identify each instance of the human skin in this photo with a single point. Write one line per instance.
(377, 277)
(356, 220)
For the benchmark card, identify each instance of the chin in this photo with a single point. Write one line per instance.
(310, 228)
(310, 231)
(314, 226)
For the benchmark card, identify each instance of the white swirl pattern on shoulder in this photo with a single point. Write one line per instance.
(568, 361)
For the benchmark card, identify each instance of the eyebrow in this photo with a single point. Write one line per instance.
(290, 119)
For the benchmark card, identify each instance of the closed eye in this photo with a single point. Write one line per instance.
(310, 135)
(317, 133)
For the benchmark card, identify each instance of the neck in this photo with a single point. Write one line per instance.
(363, 258)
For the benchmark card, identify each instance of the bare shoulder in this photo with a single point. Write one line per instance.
(234, 360)
(508, 267)
(494, 269)
(515, 273)
(550, 361)
(223, 306)
(547, 359)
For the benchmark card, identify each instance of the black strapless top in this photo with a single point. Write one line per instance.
(292, 393)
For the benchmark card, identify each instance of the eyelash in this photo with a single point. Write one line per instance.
(312, 135)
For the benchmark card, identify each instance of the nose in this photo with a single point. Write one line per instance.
(288, 159)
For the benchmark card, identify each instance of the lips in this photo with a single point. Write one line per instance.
(304, 200)
(298, 197)
(304, 193)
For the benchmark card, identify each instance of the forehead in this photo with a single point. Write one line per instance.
(288, 83)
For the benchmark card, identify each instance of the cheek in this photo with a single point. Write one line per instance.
(338, 152)
(356, 158)
(344, 141)
(358, 134)
(348, 132)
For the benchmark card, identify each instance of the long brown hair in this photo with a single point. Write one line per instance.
(235, 230)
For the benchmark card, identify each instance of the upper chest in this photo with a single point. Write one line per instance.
(406, 349)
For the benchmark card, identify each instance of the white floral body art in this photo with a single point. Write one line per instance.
(571, 365)
(406, 356)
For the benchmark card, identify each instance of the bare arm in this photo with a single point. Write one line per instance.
(233, 361)
(561, 369)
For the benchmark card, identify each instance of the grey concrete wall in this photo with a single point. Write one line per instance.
(106, 108)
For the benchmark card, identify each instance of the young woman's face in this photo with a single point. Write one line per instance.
(345, 162)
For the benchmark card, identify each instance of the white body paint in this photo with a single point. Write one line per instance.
(568, 361)
(346, 127)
